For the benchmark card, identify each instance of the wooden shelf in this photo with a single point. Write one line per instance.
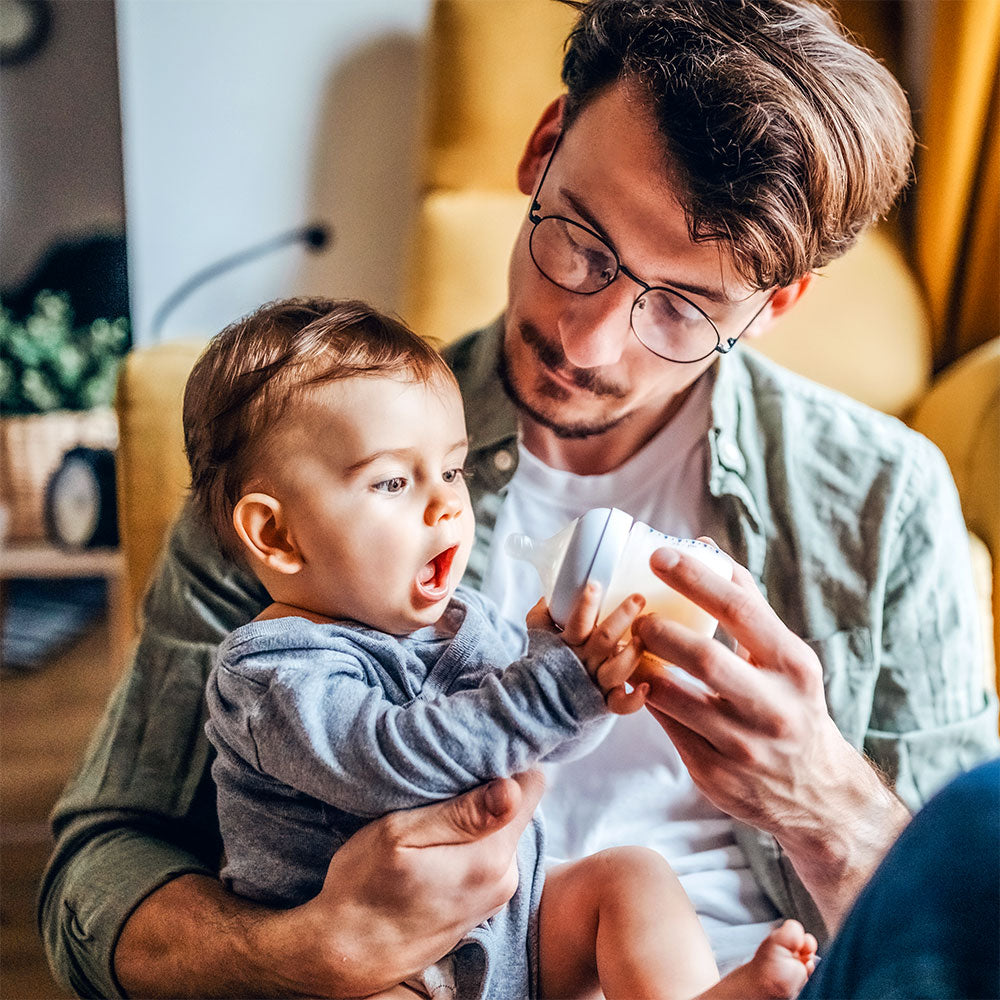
(42, 560)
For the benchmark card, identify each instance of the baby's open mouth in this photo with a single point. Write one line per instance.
(433, 578)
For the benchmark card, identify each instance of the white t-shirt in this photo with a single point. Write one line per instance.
(634, 789)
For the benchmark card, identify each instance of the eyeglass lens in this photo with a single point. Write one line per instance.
(579, 261)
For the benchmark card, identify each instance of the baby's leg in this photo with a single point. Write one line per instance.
(620, 924)
(777, 971)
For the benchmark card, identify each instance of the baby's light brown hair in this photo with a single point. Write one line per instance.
(243, 384)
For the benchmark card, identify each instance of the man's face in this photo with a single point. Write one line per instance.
(571, 361)
(369, 472)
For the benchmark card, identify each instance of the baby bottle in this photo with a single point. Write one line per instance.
(612, 548)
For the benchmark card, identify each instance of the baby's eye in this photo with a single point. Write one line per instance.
(454, 475)
(395, 485)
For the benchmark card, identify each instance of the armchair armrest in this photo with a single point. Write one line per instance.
(961, 415)
(151, 466)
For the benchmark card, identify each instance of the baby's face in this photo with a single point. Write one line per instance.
(370, 474)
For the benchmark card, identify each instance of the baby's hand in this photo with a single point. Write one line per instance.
(609, 658)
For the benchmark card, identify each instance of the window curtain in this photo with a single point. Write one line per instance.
(956, 220)
(946, 54)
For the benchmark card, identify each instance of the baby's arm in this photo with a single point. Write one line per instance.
(323, 727)
(608, 659)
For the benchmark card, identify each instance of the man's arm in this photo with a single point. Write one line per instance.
(763, 747)
(399, 894)
(141, 809)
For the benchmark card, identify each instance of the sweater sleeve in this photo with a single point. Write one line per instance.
(331, 733)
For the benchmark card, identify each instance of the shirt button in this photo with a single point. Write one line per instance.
(503, 461)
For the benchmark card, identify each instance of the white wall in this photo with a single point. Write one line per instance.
(245, 118)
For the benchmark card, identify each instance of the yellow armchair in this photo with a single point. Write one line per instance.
(961, 415)
(862, 328)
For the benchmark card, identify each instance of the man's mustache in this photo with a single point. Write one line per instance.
(552, 356)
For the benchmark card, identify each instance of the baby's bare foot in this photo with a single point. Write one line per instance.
(777, 971)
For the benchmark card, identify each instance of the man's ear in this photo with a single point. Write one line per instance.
(781, 301)
(540, 142)
(260, 522)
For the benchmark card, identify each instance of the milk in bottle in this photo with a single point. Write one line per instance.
(609, 546)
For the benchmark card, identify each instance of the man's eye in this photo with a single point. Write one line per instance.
(454, 475)
(599, 264)
(597, 260)
(665, 308)
(395, 485)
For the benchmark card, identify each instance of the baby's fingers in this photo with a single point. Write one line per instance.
(617, 669)
(539, 617)
(603, 641)
(623, 702)
(581, 619)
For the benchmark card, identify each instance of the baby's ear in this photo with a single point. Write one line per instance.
(260, 522)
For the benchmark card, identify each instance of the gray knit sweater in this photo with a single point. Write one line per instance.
(322, 727)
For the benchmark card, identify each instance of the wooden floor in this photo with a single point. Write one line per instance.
(45, 721)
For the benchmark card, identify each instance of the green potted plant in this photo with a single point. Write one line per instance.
(57, 381)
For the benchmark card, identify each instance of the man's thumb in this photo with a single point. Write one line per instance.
(480, 811)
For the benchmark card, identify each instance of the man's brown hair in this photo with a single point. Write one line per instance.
(241, 387)
(783, 137)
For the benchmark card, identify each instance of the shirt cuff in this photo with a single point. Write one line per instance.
(107, 880)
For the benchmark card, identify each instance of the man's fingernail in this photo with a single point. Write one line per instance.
(666, 558)
(496, 798)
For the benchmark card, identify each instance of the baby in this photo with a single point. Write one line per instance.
(327, 445)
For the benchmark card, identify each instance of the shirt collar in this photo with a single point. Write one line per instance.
(735, 463)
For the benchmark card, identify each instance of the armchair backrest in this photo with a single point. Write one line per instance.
(493, 66)
(152, 468)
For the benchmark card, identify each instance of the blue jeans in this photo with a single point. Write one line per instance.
(928, 923)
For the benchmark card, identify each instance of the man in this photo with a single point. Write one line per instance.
(708, 156)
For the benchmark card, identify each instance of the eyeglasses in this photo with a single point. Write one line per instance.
(663, 320)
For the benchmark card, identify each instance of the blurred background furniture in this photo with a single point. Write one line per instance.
(905, 322)
(40, 561)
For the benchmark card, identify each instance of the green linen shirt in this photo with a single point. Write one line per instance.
(849, 522)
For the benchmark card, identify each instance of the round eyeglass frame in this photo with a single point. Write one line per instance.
(722, 345)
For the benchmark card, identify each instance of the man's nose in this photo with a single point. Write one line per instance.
(444, 504)
(595, 329)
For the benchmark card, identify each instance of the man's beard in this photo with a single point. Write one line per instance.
(552, 356)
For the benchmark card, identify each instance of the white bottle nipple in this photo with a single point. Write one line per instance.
(588, 548)
(546, 555)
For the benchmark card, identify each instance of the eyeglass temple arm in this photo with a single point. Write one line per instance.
(535, 204)
(731, 342)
